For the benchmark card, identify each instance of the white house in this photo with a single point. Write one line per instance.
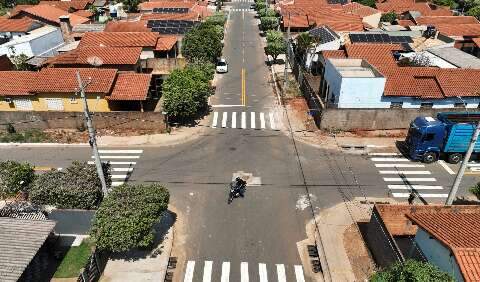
(40, 41)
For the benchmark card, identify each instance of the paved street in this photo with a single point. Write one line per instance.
(256, 235)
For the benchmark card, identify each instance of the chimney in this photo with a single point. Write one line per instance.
(66, 28)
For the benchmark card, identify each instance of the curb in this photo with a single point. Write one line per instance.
(44, 145)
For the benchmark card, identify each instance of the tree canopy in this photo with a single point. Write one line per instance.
(369, 3)
(411, 270)
(126, 217)
(389, 17)
(474, 12)
(15, 177)
(268, 23)
(203, 42)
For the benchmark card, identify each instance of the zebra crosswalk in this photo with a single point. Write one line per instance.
(122, 163)
(241, 10)
(403, 177)
(256, 272)
(246, 120)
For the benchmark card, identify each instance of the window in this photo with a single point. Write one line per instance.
(460, 105)
(396, 105)
(23, 104)
(429, 137)
(426, 105)
(54, 104)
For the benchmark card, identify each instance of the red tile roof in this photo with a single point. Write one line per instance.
(419, 82)
(359, 9)
(459, 29)
(16, 83)
(446, 20)
(146, 6)
(476, 41)
(117, 26)
(64, 80)
(83, 13)
(67, 5)
(335, 54)
(165, 43)
(52, 14)
(402, 6)
(16, 25)
(458, 232)
(131, 87)
(18, 8)
(405, 23)
(108, 55)
(193, 16)
(119, 39)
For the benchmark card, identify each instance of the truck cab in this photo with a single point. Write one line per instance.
(425, 139)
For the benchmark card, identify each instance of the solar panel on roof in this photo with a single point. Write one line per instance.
(385, 38)
(377, 38)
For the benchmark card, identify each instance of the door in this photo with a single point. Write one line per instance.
(54, 104)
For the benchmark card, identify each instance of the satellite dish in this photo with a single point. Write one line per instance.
(95, 61)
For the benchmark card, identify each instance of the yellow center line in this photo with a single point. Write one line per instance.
(244, 90)
(43, 168)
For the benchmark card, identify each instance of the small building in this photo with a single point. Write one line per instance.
(456, 57)
(37, 42)
(326, 39)
(23, 248)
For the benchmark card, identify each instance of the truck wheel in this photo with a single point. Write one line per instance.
(454, 158)
(429, 157)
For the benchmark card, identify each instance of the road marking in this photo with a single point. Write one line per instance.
(299, 273)
(389, 159)
(234, 120)
(406, 195)
(207, 271)
(127, 169)
(281, 273)
(225, 106)
(120, 151)
(43, 168)
(189, 271)
(405, 172)
(391, 179)
(399, 165)
(252, 120)
(244, 272)
(415, 187)
(116, 163)
(473, 164)
(262, 272)
(383, 154)
(244, 120)
(117, 183)
(225, 272)
(117, 157)
(119, 176)
(215, 119)
(446, 167)
(224, 119)
(262, 120)
(272, 121)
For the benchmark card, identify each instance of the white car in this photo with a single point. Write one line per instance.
(222, 66)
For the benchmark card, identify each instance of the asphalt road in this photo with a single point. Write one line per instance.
(256, 234)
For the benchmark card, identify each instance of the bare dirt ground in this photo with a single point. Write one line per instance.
(360, 260)
(75, 136)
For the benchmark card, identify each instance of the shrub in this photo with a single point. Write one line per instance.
(15, 177)
(260, 5)
(218, 18)
(389, 17)
(267, 12)
(474, 12)
(411, 270)
(274, 36)
(125, 219)
(475, 190)
(268, 23)
(369, 3)
(203, 43)
(77, 187)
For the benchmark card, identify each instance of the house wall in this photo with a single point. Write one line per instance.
(36, 46)
(372, 20)
(96, 102)
(438, 254)
(312, 54)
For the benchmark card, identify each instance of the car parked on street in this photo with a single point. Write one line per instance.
(222, 66)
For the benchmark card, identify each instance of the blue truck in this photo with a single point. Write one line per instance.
(446, 136)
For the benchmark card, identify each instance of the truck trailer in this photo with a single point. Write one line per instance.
(445, 137)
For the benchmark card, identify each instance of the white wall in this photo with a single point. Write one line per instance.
(312, 54)
(33, 45)
(373, 20)
(438, 254)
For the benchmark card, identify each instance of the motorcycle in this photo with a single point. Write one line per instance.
(237, 189)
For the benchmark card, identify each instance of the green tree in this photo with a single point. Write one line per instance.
(450, 3)
(268, 23)
(369, 3)
(274, 36)
(218, 18)
(267, 12)
(185, 93)
(411, 270)
(389, 17)
(130, 5)
(203, 43)
(275, 48)
(260, 5)
(304, 42)
(15, 177)
(18, 60)
(126, 218)
(207, 69)
(474, 12)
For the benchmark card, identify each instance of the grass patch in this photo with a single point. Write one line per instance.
(28, 136)
(74, 260)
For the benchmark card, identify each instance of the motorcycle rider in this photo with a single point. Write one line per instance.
(239, 186)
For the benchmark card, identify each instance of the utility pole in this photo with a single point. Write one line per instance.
(91, 133)
(461, 171)
(287, 55)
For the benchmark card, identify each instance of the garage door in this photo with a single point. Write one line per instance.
(23, 104)
(54, 104)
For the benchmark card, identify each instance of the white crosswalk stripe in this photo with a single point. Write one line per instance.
(410, 176)
(247, 120)
(242, 10)
(278, 272)
(121, 166)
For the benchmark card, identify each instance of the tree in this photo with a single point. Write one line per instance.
(275, 48)
(130, 5)
(76, 187)
(185, 93)
(369, 3)
(389, 17)
(260, 5)
(203, 43)
(218, 18)
(19, 61)
(207, 69)
(126, 218)
(449, 3)
(304, 42)
(268, 23)
(15, 177)
(474, 12)
(267, 12)
(274, 36)
(411, 270)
